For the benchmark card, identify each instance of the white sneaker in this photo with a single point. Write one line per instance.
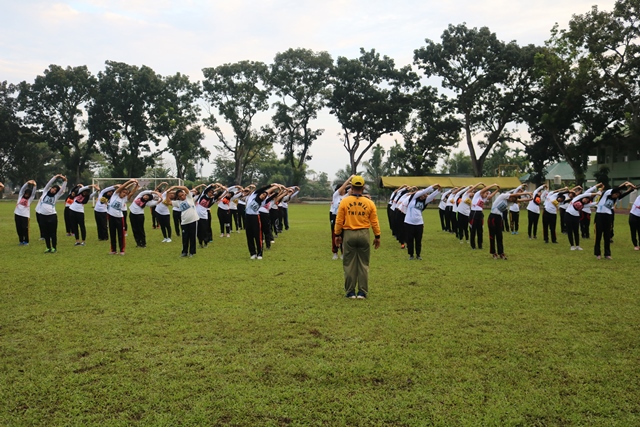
(228, 235)
(578, 248)
(168, 240)
(253, 256)
(335, 256)
(164, 240)
(573, 248)
(259, 257)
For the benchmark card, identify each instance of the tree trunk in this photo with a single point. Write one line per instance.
(475, 164)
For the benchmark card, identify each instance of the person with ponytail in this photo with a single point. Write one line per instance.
(154, 216)
(76, 212)
(223, 197)
(494, 222)
(22, 213)
(604, 217)
(203, 203)
(163, 216)
(413, 221)
(181, 197)
(476, 219)
(67, 212)
(144, 199)
(235, 193)
(634, 223)
(46, 207)
(573, 212)
(253, 224)
(115, 215)
(100, 212)
(533, 211)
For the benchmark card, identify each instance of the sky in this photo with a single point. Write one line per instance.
(186, 36)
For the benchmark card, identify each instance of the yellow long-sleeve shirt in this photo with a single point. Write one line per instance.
(356, 213)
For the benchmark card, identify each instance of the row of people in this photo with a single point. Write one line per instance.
(111, 211)
(461, 211)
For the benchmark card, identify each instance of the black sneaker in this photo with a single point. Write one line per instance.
(351, 295)
(419, 258)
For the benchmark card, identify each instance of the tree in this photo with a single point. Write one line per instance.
(299, 77)
(610, 41)
(239, 91)
(490, 78)
(568, 105)
(55, 105)
(370, 98)
(11, 130)
(177, 115)
(431, 132)
(540, 151)
(23, 155)
(122, 119)
(457, 163)
(374, 169)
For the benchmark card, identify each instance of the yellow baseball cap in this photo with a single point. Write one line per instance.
(357, 181)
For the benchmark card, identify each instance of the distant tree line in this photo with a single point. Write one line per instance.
(578, 91)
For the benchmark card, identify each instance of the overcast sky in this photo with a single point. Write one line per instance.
(185, 36)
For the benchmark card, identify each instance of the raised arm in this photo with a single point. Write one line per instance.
(343, 187)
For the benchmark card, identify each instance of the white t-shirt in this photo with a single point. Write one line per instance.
(416, 206)
(500, 204)
(78, 205)
(532, 206)
(551, 203)
(137, 206)
(102, 207)
(161, 208)
(635, 207)
(188, 209)
(335, 201)
(116, 204)
(23, 206)
(464, 207)
(477, 204)
(47, 204)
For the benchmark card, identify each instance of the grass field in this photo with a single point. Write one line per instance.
(550, 337)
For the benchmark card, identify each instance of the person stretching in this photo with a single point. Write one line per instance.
(22, 212)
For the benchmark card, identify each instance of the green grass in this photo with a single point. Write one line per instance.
(549, 337)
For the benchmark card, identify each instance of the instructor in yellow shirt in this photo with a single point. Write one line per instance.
(356, 214)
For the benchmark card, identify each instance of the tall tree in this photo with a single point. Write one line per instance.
(370, 98)
(569, 103)
(300, 79)
(23, 154)
(239, 91)
(610, 40)
(176, 119)
(430, 134)
(55, 106)
(490, 79)
(122, 119)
